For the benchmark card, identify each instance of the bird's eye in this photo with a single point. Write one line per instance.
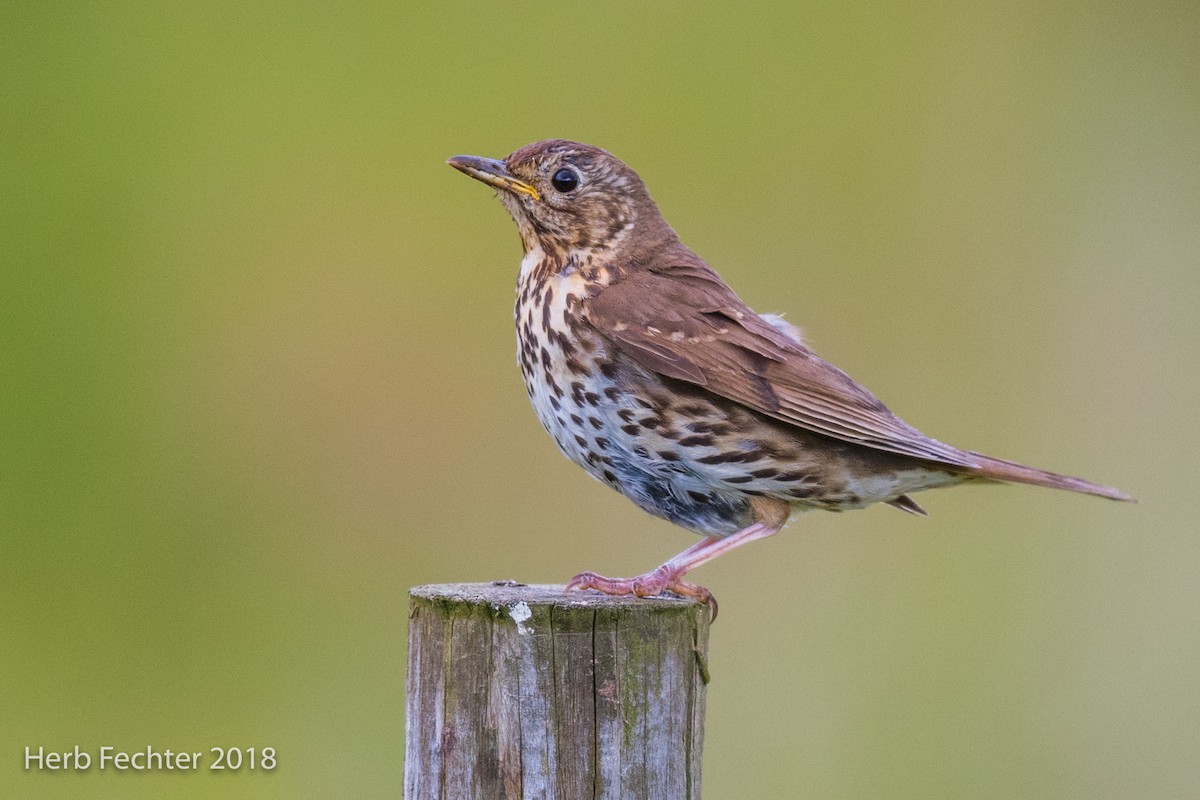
(565, 180)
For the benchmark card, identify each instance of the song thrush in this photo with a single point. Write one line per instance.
(654, 376)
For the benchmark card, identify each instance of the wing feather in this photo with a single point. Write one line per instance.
(684, 322)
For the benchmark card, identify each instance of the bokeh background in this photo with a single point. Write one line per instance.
(257, 375)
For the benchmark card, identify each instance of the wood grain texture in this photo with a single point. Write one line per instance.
(526, 692)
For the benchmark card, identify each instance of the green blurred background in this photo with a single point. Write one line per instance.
(257, 376)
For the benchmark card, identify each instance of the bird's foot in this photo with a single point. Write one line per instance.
(653, 583)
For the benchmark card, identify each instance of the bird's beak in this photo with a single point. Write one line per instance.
(493, 173)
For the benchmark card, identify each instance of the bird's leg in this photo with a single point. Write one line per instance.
(669, 576)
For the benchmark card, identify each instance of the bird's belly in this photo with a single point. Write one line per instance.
(606, 428)
(569, 407)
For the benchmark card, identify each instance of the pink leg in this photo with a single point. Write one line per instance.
(669, 576)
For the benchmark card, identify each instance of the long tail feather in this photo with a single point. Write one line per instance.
(1001, 470)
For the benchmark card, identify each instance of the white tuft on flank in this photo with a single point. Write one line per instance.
(780, 324)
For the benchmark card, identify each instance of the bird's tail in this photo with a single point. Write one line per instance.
(1001, 470)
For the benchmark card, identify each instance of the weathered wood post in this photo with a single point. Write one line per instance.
(521, 691)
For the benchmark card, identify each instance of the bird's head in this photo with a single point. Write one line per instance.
(571, 199)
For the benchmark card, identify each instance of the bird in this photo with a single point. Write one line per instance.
(651, 374)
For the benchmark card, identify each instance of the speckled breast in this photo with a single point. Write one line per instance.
(595, 404)
(563, 368)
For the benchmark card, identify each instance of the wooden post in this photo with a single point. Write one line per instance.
(519, 691)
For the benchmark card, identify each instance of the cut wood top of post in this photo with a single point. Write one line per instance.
(506, 593)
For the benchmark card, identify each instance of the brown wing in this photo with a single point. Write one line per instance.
(684, 322)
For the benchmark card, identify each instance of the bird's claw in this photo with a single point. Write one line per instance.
(652, 584)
